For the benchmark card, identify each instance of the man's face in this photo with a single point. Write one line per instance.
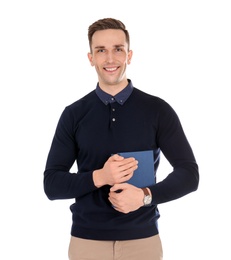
(110, 57)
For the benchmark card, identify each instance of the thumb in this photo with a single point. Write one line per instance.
(118, 187)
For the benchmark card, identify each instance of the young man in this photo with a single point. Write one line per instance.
(114, 219)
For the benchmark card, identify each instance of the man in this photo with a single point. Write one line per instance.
(114, 219)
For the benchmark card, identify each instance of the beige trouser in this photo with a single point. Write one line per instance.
(137, 249)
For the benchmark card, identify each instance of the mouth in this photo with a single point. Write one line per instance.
(111, 69)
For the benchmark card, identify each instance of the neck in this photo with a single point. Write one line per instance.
(115, 88)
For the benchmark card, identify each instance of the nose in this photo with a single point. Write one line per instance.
(110, 57)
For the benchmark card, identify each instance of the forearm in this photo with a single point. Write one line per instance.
(180, 182)
(64, 185)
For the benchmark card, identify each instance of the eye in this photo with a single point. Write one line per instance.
(119, 49)
(101, 50)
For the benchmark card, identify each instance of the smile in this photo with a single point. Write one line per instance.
(111, 69)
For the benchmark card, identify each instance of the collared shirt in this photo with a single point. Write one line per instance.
(120, 98)
(89, 132)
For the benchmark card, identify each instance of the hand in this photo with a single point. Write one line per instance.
(116, 169)
(130, 198)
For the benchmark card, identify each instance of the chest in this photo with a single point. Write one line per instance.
(115, 128)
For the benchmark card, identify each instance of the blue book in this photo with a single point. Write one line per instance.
(145, 174)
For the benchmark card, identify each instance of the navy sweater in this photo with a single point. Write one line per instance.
(88, 132)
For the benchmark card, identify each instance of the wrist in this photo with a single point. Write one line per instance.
(96, 175)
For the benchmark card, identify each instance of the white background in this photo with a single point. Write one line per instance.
(181, 53)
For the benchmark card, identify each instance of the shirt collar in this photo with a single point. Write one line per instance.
(120, 98)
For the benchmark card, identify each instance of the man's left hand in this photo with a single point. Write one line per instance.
(126, 198)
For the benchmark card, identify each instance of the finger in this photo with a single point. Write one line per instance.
(126, 177)
(116, 157)
(129, 160)
(126, 165)
(127, 174)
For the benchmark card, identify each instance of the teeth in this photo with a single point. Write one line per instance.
(110, 69)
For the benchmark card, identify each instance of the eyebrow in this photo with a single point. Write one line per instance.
(115, 46)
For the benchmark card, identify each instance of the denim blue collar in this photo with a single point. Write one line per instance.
(120, 98)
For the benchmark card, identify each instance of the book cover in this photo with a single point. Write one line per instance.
(145, 174)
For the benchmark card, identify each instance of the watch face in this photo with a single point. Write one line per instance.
(147, 200)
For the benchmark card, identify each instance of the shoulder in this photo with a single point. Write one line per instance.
(77, 109)
(83, 101)
(151, 101)
(155, 106)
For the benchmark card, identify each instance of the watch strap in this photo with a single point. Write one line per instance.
(145, 190)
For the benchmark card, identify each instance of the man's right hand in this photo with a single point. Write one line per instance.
(116, 169)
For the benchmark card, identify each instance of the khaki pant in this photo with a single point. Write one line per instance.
(138, 249)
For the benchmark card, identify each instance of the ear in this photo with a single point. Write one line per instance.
(90, 58)
(130, 53)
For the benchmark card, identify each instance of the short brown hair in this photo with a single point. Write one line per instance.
(107, 23)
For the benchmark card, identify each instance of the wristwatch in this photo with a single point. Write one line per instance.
(147, 197)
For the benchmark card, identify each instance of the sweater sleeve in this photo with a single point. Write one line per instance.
(59, 182)
(173, 143)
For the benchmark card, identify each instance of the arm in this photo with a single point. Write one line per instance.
(173, 143)
(182, 180)
(59, 183)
